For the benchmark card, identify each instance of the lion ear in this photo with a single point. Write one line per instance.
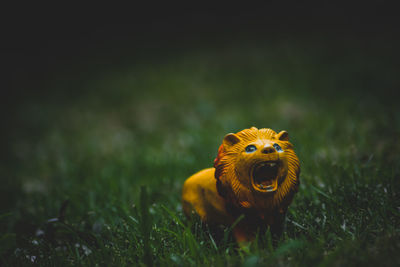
(283, 136)
(230, 140)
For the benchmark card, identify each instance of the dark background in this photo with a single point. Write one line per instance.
(42, 44)
(37, 40)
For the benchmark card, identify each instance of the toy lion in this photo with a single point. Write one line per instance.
(255, 174)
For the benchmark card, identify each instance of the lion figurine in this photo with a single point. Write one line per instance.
(255, 175)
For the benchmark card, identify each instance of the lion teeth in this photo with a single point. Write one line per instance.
(270, 164)
(266, 187)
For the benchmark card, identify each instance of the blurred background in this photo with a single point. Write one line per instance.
(97, 101)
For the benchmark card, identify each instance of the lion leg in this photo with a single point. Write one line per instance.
(246, 230)
(277, 227)
(241, 235)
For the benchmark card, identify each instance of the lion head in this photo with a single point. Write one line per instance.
(257, 168)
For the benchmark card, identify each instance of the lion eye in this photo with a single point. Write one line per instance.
(250, 148)
(278, 148)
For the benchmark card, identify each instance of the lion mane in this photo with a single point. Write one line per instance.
(240, 194)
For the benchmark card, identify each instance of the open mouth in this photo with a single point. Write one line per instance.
(265, 176)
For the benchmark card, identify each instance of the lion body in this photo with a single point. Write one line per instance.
(200, 196)
(222, 194)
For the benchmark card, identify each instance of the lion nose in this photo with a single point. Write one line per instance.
(267, 149)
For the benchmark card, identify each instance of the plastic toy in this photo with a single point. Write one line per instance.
(255, 174)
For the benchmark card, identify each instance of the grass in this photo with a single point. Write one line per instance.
(95, 164)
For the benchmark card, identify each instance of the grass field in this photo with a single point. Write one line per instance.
(94, 166)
